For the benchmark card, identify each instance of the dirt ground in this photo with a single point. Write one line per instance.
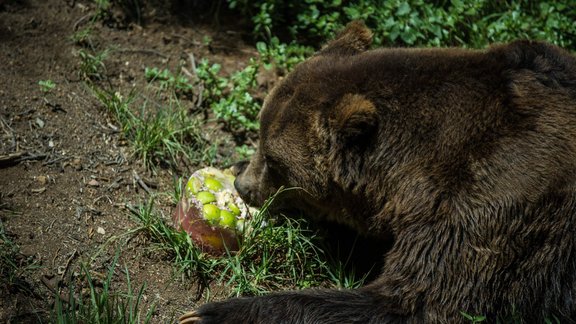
(65, 170)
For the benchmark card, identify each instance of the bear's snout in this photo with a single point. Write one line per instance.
(242, 188)
(243, 182)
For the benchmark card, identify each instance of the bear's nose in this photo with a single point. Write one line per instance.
(243, 188)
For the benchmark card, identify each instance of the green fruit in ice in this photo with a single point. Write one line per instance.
(212, 184)
(240, 225)
(211, 213)
(234, 209)
(227, 219)
(205, 197)
(194, 185)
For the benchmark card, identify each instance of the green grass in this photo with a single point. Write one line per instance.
(187, 258)
(157, 133)
(276, 253)
(46, 85)
(101, 305)
(280, 252)
(13, 265)
(91, 65)
(168, 81)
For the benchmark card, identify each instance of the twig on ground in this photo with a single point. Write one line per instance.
(67, 265)
(56, 159)
(115, 184)
(32, 156)
(142, 51)
(11, 158)
(51, 284)
(50, 226)
(140, 182)
(79, 21)
(55, 256)
(150, 183)
(194, 75)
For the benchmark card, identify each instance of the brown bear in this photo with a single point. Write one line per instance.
(468, 157)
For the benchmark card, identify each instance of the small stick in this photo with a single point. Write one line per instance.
(11, 158)
(68, 263)
(51, 287)
(141, 182)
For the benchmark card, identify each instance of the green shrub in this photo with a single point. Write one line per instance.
(238, 109)
(474, 23)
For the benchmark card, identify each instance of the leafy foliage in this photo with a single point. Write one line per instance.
(236, 107)
(46, 85)
(474, 23)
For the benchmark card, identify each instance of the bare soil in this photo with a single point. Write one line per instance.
(66, 172)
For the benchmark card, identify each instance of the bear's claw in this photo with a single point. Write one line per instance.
(189, 318)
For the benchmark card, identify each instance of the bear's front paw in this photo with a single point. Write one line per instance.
(190, 318)
(235, 310)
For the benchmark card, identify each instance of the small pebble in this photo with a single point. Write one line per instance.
(42, 179)
(40, 122)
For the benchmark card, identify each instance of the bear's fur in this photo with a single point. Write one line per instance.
(468, 157)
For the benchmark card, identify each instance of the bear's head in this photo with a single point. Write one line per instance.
(313, 126)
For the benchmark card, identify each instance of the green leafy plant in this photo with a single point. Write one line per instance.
(46, 85)
(213, 85)
(473, 318)
(283, 57)
(102, 9)
(473, 23)
(238, 109)
(245, 151)
(92, 65)
(83, 37)
(230, 98)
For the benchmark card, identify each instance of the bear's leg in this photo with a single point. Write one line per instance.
(307, 306)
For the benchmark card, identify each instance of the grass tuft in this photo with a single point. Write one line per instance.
(13, 265)
(164, 134)
(276, 253)
(100, 304)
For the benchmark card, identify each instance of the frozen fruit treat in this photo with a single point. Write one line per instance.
(211, 211)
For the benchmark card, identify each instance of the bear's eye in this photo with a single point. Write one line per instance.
(271, 162)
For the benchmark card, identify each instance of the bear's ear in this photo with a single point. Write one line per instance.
(354, 39)
(354, 117)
